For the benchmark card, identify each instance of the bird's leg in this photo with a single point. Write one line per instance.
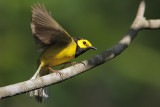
(55, 71)
(72, 63)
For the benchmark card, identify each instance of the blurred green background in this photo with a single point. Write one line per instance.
(130, 80)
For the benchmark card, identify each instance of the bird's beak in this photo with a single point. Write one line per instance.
(91, 47)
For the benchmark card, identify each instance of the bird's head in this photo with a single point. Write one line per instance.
(85, 44)
(82, 46)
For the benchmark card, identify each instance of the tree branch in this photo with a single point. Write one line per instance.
(138, 24)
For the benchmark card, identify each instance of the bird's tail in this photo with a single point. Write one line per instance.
(42, 94)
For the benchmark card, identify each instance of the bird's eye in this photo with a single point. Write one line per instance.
(84, 42)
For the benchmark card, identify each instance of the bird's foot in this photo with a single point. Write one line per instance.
(55, 71)
(66, 63)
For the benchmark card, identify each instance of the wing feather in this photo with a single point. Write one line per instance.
(45, 28)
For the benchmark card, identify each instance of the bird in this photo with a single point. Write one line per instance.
(57, 46)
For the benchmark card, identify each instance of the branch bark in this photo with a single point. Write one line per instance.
(138, 24)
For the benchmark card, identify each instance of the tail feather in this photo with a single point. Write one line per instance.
(42, 94)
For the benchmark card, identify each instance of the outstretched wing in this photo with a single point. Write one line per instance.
(45, 29)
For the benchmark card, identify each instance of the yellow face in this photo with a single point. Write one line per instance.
(83, 43)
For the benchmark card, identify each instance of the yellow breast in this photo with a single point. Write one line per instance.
(56, 55)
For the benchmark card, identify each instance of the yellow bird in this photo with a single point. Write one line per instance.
(58, 46)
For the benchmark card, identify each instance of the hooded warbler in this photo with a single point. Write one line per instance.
(57, 45)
